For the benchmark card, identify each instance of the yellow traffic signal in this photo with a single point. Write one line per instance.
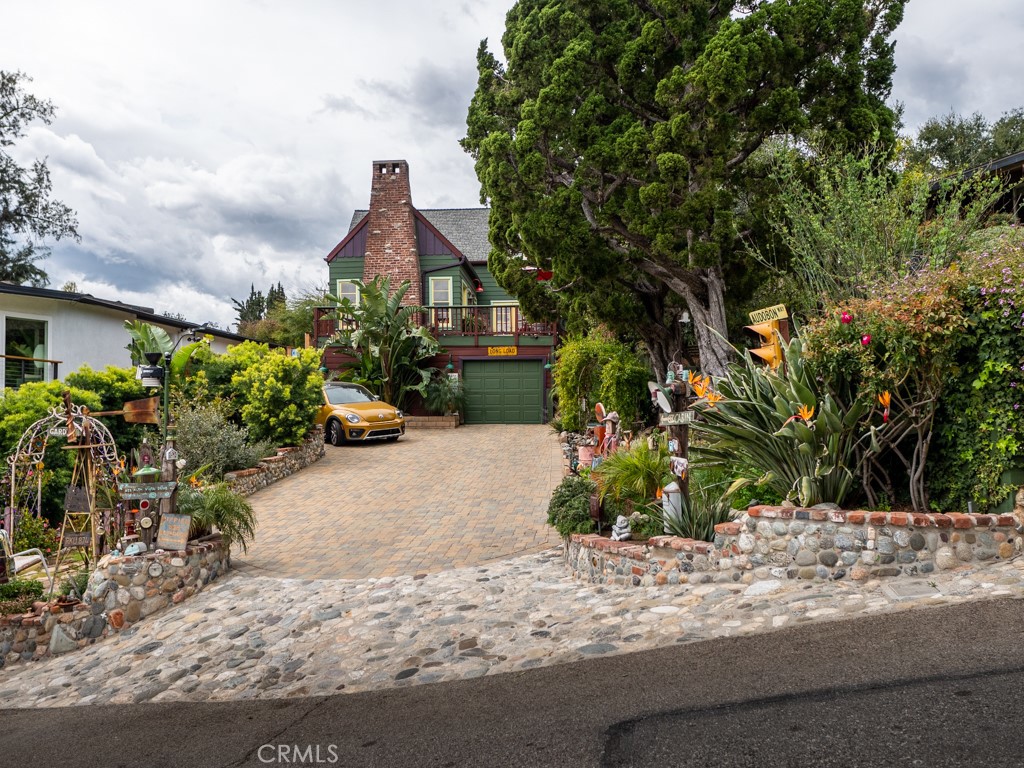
(771, 342)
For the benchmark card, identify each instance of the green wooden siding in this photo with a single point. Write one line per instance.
(504, 391)
(492, 291)
(344, 269)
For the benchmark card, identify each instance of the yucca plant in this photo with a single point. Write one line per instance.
(705, 508)
(805, 446)
(635, 473)
(217, 506)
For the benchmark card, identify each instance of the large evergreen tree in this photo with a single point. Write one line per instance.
(27, 214)
(614, 146)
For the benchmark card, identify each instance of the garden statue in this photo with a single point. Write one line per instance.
(620, 531)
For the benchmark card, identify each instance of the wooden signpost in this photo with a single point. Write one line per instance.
(173, 534)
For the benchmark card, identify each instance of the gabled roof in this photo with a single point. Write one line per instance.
(464, 228)
(140, 313)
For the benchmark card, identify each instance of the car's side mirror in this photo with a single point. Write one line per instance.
(376, 397)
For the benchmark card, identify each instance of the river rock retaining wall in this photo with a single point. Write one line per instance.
(288, 461)
(807, 543)
(121, 592)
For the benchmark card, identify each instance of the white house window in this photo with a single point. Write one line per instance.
(347, 289)
(441, 296)
(25, 348)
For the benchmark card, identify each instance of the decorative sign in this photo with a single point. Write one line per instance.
(77, 539)
(766, 315)
(76, 499)
(502, 351)
(173, 531)
(130, 491)
(57, 431)
(676, 419)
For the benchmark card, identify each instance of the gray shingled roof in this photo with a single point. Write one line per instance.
(466, 228)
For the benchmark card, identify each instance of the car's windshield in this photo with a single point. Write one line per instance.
(350, 393)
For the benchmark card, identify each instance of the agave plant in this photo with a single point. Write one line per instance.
(806, 446)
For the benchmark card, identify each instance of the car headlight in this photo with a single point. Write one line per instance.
(399, 415)
(351, 418)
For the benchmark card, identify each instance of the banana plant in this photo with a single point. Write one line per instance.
(798, 441)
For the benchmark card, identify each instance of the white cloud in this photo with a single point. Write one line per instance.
(210, 146)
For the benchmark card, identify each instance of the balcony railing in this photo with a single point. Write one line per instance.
(472, 320)
(19, 370)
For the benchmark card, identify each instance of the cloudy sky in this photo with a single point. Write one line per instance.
(210, 145)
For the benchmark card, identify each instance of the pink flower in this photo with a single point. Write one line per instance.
(865, 339)
(845, 318)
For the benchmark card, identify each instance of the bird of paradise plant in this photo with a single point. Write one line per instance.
(792, 437)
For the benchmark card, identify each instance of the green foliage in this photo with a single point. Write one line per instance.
(75, 584)
(953, 142)
(595, 368)
(444, 395)
(17, 595)
(217, 507)
(577, 375)
(146, 337)
(27, 213)
(634, 473)
(624, 378)
(981, 417)
(205, 438)
(32, 532)
(782, 431)
(848, 222)
(114, 386)
(614, 146)
(390, 346)
(707, 506)
(281, 395)
(22, 407)
(569, 508)
(913, 329)
(287, 321)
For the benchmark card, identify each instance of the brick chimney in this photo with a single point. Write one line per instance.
(391, 247)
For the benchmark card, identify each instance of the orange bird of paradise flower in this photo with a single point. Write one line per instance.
(884, 400)
(805, 412)
(713, 397)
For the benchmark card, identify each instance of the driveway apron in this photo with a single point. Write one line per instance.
(436, 499)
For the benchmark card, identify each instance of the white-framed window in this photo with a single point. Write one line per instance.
(347, 289)
(441, 296)
(505, 317)
(26, 346)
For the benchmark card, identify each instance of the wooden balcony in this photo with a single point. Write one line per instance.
(460, 321)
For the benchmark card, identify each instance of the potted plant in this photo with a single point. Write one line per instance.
(444, 395)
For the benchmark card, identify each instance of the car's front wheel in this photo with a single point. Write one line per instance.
(335, 432)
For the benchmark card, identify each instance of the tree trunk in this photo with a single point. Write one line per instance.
(703, 290)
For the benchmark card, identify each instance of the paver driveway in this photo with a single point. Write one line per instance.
(436, 499)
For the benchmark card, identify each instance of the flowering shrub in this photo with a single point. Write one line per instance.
(940, 354)
(32, 532)
(980, 425)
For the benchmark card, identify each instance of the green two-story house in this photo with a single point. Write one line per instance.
(500, 357)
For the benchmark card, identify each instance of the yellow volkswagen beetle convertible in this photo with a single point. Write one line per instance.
(351, 413)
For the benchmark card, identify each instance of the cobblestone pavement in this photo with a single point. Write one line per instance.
(436, 499)
(249, 636)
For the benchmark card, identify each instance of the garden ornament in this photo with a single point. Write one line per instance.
(620, 531)
(134, 549)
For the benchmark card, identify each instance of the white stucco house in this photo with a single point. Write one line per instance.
(47, 333)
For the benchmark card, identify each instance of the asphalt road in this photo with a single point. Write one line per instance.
(937, 687)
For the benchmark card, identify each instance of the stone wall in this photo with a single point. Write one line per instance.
(807, 543)
(121, 592)
(432, 422)
(273, 468)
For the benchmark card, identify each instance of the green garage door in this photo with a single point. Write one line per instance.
(503, 391)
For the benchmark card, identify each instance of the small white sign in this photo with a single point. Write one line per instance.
(676, 419)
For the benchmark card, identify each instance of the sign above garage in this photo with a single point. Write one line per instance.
(502, 351)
